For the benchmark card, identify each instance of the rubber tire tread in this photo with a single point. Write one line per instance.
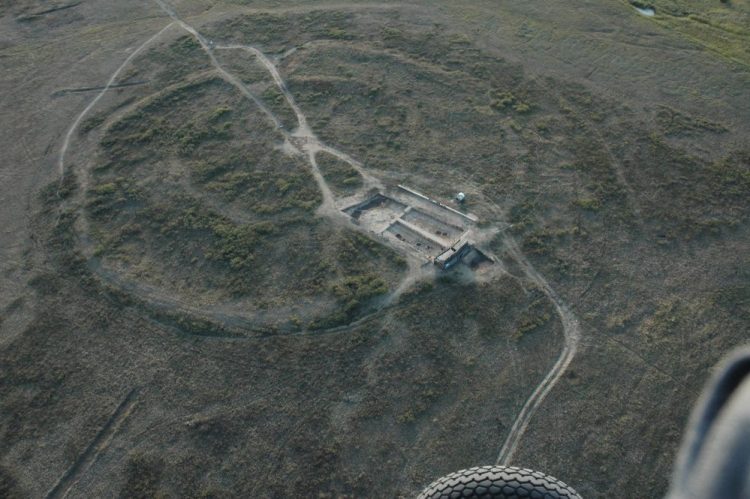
(498, 482)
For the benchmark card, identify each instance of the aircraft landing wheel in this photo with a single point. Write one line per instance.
(498, 482)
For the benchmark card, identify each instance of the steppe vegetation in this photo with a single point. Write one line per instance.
(340, 175)
(189, 300)
(720, 26)
(191, 192)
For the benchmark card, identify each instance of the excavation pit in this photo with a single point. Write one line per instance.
(417, 225)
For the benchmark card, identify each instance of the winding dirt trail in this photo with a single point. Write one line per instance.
(570, 324)
(303, 136)
(304, 129)
(90, 106)
(304, 142)
(572, 337)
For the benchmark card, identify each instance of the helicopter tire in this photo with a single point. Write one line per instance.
(498, 482)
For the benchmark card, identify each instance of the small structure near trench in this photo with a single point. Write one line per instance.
(419, 225)
(453, 255)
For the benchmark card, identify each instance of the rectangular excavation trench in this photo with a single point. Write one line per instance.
(415, 224)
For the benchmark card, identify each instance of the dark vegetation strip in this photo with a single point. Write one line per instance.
(60, 93)
(34, 15)
(66, 480)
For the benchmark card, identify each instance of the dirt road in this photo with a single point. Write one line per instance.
(572, 336)
(304, 142)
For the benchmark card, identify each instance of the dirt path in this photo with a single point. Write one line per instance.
(304, 142)
(87, 109)
(301, 141)
(303, 134)
(304, 129)
(303, 137)
(572, 336)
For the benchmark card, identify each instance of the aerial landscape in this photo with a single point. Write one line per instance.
(266, 248)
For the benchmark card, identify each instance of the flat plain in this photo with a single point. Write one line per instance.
(187, 310)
